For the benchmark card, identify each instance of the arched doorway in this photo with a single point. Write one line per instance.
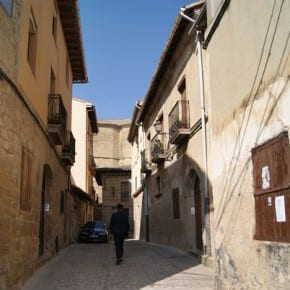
(197, 209)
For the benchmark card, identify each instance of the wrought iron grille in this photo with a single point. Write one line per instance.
(179, 117)
(56, 111)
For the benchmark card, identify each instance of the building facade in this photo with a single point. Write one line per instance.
(247, 66)
(168, 174)
(231, 63)
(37, 69)
(84, 127)
(112, 155)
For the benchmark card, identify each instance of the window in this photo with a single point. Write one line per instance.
(175, 203)
(158, 187)
(271, 173)
(147, 147)
(62, 201)
(125, 191)
(32, 41)
(182, 89)
(52, 82)
(54, 27)
(184, 109)
(25, 186)
(7, 5)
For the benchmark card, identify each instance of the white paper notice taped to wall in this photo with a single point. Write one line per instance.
(280, 208)
(265, 177)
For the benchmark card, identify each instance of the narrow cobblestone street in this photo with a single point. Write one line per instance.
(145, 266)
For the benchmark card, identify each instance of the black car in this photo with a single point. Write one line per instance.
(94, 231)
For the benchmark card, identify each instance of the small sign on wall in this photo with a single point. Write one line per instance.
(265, 177)
(280, 209)
(192, 210)
(47, 207)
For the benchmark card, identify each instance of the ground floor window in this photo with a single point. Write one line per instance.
(25, 187)
(175, 203)
(125, 191)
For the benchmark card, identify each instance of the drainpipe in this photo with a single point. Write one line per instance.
(203, 128)
(204, 143)
(145, 189)
(147, 236)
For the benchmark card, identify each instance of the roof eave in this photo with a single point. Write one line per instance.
(70, 18)
(170, 46)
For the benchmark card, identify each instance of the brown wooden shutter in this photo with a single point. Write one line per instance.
(25, 187)
(271, 172)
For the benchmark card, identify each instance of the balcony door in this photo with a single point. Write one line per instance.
(183, 105)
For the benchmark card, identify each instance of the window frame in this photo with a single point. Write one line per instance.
(125, 191)
(175, 203)
(25, 180)
(271, 179)
(32, 43)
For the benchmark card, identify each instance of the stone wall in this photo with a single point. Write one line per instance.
(110, 200)
(20, 229)
(248, 83)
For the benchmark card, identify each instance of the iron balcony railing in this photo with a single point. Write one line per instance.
(158, 147)
(56, 112)
(179, 120)
(68, 150)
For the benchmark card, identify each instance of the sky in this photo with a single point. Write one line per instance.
(123, 42)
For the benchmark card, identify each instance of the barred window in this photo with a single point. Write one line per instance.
(25, 186)
(125, 191)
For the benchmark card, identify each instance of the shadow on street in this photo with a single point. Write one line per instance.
(145, 266)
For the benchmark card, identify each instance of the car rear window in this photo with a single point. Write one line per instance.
(100, 225)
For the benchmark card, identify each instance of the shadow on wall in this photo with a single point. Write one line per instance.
(182, 183)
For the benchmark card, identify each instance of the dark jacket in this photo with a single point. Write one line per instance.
(119, 223)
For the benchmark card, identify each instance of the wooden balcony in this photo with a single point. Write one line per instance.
(56, 119)
(68, 150)
(179, 126)
(158, 148)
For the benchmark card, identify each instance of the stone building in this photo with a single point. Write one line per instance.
(112, 155)
(38, 64)
(84, 127)
(167, 164)
(247, 69)
(228, 62)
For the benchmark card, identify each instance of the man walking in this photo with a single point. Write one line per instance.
(119, 226)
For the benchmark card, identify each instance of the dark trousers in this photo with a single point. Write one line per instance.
(119, 245)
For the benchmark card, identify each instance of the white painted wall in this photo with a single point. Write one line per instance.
(79, 129)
